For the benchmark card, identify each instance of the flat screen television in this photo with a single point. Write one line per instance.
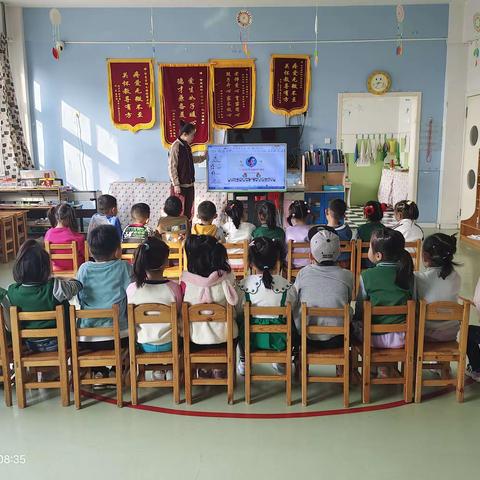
(247, 167)
(289, 135)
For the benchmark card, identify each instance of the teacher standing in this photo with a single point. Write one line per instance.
(181, 167)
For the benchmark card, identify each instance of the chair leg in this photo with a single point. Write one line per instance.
(7, 384)
(188, 381)
(119, 386)
(289, 380)
(64, 390)
(366, 367)
(304, 376)
(133, 384)
(408, 376)
(461, 380)
(76, 384)
(346, 386)
(418, 380)
(176, 382)
(20, 386)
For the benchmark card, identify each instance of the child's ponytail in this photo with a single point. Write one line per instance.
(441, 249)
(264, 254)
(151, 255)
(234, 210)
(373, 211)
(391, 245)
(298, 210)
(407, 209)
(267, 214)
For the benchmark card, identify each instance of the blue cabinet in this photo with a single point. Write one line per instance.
(318, 202)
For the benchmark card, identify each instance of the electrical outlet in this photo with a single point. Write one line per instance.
(327, 141)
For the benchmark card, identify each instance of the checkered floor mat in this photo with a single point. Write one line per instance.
(354, 217)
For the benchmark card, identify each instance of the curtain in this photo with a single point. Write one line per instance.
(15, 156)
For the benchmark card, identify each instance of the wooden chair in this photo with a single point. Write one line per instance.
(386, 356)
(20, 228)
(350, 247)
(6, 374)
(243, 255)
(84, 360)
(128, 255)
(442, 352)
(212, 356)
(7, 237)
(142, 362)
(176, 256)
(415, 250)
(69, 252)
(361, 254)
(293, 255)
(268, 356)
(330, 356)
(39, 361)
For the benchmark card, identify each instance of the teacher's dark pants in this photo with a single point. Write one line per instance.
(187, 196)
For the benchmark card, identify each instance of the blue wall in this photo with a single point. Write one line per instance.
(78, 81)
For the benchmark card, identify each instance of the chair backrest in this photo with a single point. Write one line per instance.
(444, 311)
(21, 332)
(104, 331)
(206, 312)
(407, 327)
(129, 255)
(69, 252)
(350, 247)
(175, 255)
(415, 249)
(324, 329)
(234, 254)
(293, 254)
(361, 254)
(251, 311)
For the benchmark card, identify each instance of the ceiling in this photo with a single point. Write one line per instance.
(210, 3)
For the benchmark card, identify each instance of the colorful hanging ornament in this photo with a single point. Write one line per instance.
(244, 20)
(58, 45)
(315, 53)
(476, 53)
(400, 12)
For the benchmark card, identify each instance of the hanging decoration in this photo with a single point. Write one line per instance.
(476, 22)
(131, 93)
(400, 13)
(58, 45)
(244, 20)
(289, 84)
(476, 53)
(315, 53)
(185, 93)
(233, 88)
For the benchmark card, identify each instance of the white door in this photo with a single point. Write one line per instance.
(470, 158)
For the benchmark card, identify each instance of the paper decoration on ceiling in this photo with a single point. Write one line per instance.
(400, 13)
(476, 53)
(58, 45)
(315, 53)
(244, 21)
(476, 22)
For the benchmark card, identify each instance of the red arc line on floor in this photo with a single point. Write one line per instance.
(267, 416)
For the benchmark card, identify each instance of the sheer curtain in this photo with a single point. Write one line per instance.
(14, 154)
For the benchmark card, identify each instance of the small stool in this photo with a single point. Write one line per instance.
(20, 226)
(7, 238)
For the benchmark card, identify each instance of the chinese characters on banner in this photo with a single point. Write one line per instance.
(184, 93)
(233, 93)
(131, 93)
(289, 84)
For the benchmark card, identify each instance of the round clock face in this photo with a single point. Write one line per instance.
(378, 83)
(244, 18)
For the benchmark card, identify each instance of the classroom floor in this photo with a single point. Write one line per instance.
(435, 439)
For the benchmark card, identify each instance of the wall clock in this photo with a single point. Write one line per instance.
(379, 82)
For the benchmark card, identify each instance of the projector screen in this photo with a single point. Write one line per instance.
(247, 167)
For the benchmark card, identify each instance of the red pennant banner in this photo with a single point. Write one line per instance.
(233, 93)
(131, 93)
(184, 92)
(289, 84)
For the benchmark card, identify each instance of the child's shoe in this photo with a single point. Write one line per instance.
(241, 367)
(472, 374)
(158, 375)
(169, 375)
(203, 373)
(279, 368)
(219, 373)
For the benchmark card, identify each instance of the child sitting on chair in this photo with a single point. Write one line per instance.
(35, 290)
(335, 214)
(138, 230)
(208, 280)
(174, 226)
(207, 213)
(440, 282)
(406, 214)
(65, 231)
(297, 231)
(104, 284)
(265, 288)
(373, 212)
(267, 216)
(150, 286)
(327, 277)
(106, 215)
(390, 283)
